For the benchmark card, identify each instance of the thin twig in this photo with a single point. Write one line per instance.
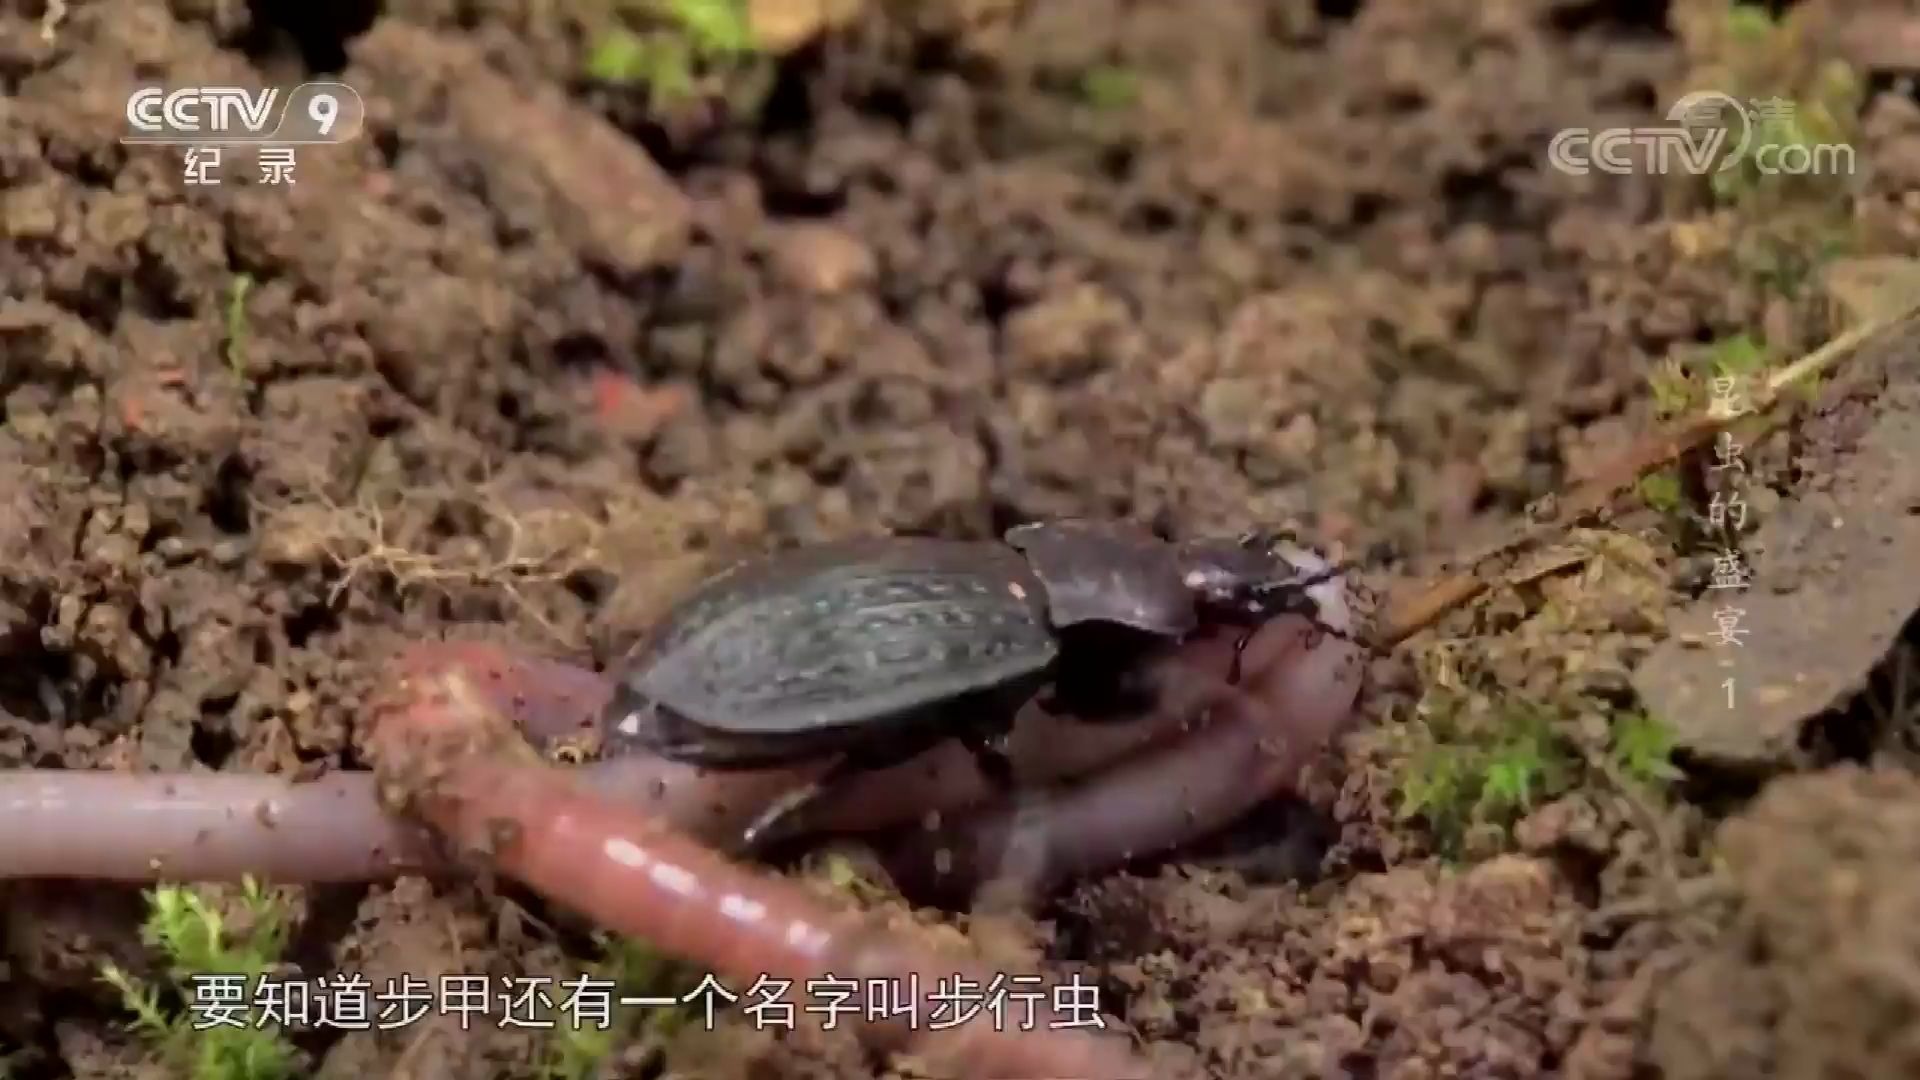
(1556, 515)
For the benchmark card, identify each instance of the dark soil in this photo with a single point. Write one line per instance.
(515, 361)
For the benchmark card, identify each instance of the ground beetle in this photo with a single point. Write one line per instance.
(875, 650)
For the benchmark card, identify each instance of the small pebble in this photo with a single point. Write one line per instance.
(822, 259)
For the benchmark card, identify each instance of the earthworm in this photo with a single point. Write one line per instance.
(450, 757)
(73, 823)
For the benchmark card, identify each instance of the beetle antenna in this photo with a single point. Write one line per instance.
(1297, 601)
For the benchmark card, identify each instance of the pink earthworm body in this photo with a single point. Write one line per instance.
(640, 875)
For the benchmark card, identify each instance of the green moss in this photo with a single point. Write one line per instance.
(1109, 86)
(1662, 492)
(661, 62)
(636, 969)
(1683, 384)
(1642, 748)
(714, 28)
(1750, 23)
(1673, 389)
(688, 38)
(1480, 764)
(1797, 109)
(237, 324)
(1477, 764)
(195, 940)
(1803, 109)
(1736, 357)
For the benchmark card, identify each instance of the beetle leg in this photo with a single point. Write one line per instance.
(787, 811)
(784, 810)
(1295, 600)
(1240, 644)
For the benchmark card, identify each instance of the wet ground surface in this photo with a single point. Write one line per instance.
(516, 362)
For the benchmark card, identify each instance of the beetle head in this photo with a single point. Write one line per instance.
(1256, 578)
